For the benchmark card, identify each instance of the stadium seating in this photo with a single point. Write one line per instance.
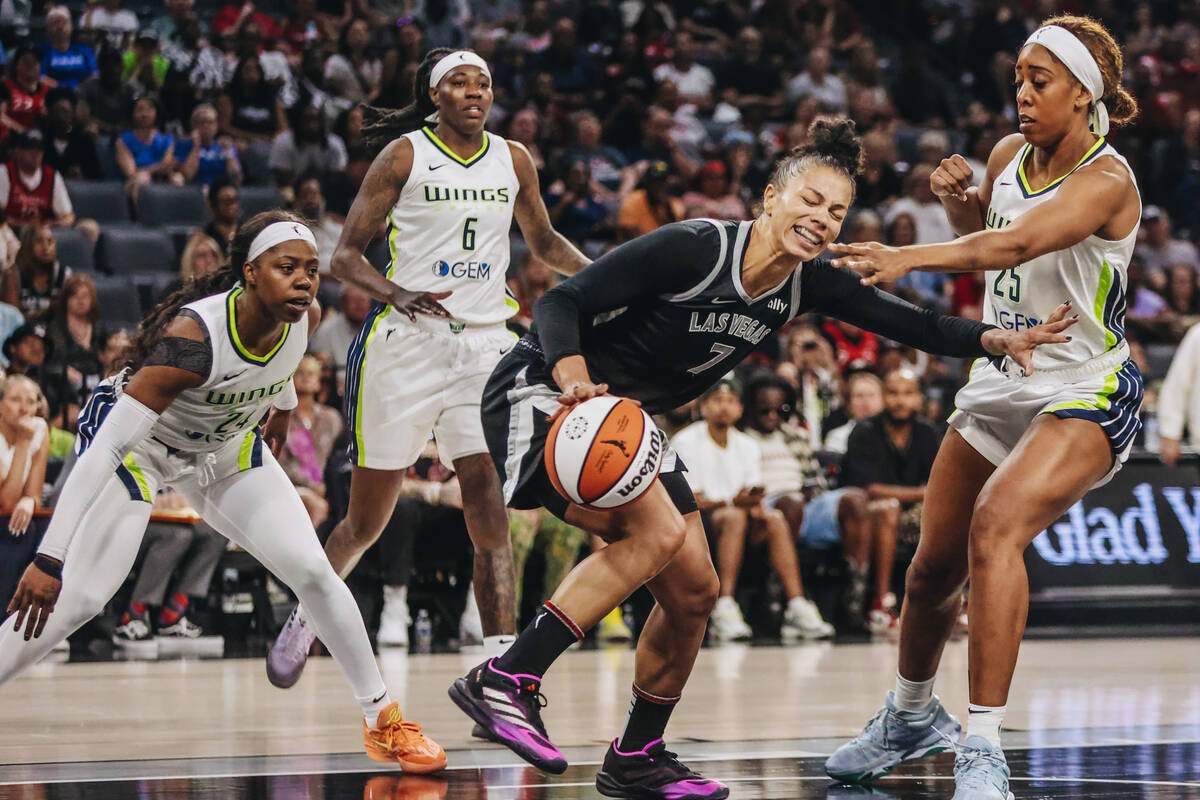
(165, 205)
(103, 201)
(133, 249)
(74, 249)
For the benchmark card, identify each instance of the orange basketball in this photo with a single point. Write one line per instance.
(604, 452)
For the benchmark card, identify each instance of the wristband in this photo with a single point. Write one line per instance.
(48, 565)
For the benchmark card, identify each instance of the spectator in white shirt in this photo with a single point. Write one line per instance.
(725, 473)
(817, 82)
(695, 81)
(116, 24)
(1179, 399)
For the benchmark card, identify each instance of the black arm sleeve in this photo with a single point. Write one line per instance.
(839, 293)
(670, 260)
(176, 351)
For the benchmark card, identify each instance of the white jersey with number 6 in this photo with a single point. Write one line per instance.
(1091, 274)
(449, 228)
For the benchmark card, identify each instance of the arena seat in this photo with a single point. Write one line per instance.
(163, 204)
(119, 303)
(133, 249)
(256, 199)
(103, 201)
(74, 249)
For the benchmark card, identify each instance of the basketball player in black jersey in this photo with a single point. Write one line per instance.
(659, 320)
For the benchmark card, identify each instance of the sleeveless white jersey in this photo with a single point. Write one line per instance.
(240, 387)
(449, 227)
(1091, 274)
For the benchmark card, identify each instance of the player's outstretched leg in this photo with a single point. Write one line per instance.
(258, 510)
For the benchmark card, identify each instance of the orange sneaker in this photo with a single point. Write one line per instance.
(397, 741)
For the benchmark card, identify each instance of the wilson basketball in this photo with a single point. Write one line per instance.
(604, 452)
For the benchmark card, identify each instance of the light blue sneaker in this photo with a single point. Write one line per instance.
(980, 771)
(893, 736)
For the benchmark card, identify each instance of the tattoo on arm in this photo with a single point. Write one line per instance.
(176, 351)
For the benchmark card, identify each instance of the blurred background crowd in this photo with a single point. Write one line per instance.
(134, 136)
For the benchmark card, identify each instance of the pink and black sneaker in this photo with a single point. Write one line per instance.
(509, 710)
(654, 773)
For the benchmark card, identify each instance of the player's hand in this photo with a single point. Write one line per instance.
(877, 263)
(412, 303)
(1019, 345)
(33, 600)
(952, 178)
(1169, 451)
(576, 392)
(21, 516)
(275, 430)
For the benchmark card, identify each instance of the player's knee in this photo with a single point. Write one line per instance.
(669, 536)
(360, 531)
(703, 598)
(311, 576)
(931, 581)
(91, 603)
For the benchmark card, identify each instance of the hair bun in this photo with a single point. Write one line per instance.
(835, 139)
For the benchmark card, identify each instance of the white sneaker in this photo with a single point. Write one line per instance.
(393, 620)
(727, 623)
(470, 625)
(802, 620)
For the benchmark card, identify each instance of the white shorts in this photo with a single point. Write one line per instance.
(405, 380)
(993, 411)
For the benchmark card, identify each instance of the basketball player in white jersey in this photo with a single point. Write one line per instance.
(448, 191)
(210, 362)
(1055, 219)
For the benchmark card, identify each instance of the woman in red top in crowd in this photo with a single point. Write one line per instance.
(24, 98)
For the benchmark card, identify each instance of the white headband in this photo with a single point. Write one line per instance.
(1075, 56)
(278, 233)
(459, 58)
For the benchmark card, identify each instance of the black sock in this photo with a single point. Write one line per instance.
(543, 641)
(647, 720)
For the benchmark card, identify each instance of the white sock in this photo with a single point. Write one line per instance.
(494, 646)
(912, 695)
(985, 721)
(371, 706)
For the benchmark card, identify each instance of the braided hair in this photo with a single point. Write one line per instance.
(220, 280)
(382, 125)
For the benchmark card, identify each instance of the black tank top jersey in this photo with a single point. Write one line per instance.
(663, 317)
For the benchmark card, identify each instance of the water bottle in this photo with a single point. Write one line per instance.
(423, 632)
(1150, 436)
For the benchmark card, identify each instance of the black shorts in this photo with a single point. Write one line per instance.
(516, 408)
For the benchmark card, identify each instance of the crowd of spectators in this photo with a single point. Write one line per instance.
(637, 114)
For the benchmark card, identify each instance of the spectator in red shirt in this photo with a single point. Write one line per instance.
(29, 190)
(25, 101)
(851, 344)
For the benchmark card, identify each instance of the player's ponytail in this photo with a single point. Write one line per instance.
(832, 142)
(382, 125)
(220, 280)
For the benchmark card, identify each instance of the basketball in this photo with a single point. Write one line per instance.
(604, 452)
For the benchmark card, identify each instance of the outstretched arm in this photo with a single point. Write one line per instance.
(544, 242)
(1084, 203)
(379, 191)
(836, 292)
